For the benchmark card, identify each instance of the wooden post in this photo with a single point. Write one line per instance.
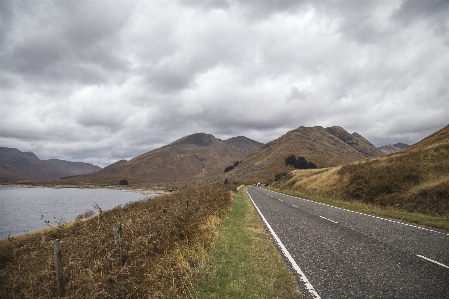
(117, 236)
(58, 266)
(187, 204)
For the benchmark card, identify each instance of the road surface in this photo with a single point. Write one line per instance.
(338, 253)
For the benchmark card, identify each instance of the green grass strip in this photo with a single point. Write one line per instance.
(245, 262)
(385, 212)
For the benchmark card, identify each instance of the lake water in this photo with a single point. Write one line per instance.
(25, 209)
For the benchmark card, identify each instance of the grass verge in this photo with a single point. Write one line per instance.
(245, 262)
(420, 219)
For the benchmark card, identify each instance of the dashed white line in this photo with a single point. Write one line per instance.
(328, 219)
(430, 260)
(295, 266)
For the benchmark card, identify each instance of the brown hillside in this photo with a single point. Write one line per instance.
(323, 146)
(194, 158)
(18, 166)
(415, 179)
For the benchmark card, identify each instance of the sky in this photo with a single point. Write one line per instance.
(100, 81)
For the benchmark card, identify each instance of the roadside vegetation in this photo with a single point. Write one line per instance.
(162, 240)
(245, 263)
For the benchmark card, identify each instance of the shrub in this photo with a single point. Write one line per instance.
(86, 214)
(279, 176)
(123, 182)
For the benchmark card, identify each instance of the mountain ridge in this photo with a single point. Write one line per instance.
(324, 147)
(201, 158)
(191, 159)
(26, 166)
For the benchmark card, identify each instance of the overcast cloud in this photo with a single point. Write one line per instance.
(99, 81)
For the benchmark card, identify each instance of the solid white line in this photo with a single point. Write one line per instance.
(295, 266)
(438, 263)
(329, 219)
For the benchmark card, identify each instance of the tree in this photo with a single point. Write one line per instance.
(290, 160)
(229, 168)
(312, 165)
(123, 182)
(301, 163)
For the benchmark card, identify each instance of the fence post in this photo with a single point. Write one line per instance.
(58, 266)
(117, 236)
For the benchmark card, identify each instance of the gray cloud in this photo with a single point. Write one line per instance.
(100, 81)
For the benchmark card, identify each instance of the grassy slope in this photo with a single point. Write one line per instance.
(413, 180)
(245, 264)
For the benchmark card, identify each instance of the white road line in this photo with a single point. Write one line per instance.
(295, 266)
(328, 219)
(438, 263)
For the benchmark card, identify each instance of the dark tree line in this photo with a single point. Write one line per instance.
(299, 163)
(231, 167)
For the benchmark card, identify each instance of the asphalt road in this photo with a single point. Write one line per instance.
(345, 254)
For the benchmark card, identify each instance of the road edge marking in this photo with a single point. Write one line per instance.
(430, 260)
(287, 254)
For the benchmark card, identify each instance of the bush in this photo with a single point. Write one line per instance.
(86, 214)
(123, 182)
(279, 176)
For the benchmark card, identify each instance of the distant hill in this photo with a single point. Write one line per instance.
(324, 147)
(75, 168)
(392, 148)
(191, 159)
(415, 179)
(26, 166)
(18, 166)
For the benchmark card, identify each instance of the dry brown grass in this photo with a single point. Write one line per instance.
(413, 180)
(159, 250)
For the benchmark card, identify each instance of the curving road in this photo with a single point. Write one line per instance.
(338, 253)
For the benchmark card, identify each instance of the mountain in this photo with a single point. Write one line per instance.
(194, 158)
(116, 163)
(415, 179)
(18, 166)
(325, 147)
(26, 166)
(75, 168)
(392, 148)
